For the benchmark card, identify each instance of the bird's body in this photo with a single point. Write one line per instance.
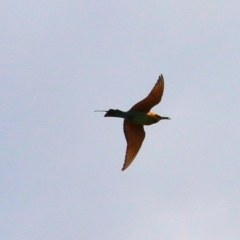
(138, 116)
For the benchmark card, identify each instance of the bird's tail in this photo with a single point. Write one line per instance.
(112, 113)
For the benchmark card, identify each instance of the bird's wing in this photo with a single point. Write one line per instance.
(153, 98)
(134, 135)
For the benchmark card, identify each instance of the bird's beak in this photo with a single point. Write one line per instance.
(165, 118)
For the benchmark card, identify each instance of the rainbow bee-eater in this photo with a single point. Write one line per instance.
(135, 118)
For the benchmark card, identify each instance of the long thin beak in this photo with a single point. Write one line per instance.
(167, 118)
(100, 111)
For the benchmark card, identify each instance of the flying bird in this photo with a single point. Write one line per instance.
(135, 118)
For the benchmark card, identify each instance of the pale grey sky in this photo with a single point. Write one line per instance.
(60, 173)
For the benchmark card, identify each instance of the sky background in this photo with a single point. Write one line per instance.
(60, 172)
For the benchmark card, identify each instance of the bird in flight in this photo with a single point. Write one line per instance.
(135, 118)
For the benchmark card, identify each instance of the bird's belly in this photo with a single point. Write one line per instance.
(142, 118)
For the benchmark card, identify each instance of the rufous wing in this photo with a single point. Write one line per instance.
(153, 98)
(134, 134)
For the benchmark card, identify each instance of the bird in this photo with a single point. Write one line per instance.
(135, 119)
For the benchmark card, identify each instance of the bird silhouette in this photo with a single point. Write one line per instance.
(135, 118)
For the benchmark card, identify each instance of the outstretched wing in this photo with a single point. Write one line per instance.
(134, 135)
(153, 98)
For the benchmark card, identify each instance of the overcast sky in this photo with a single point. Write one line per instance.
(60, 172)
